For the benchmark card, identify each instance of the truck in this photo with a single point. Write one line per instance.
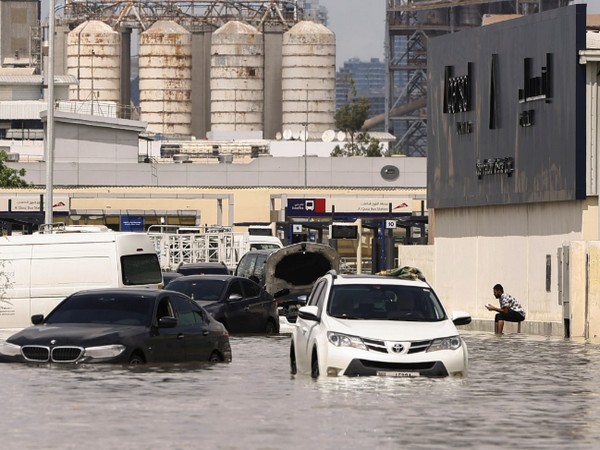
(37, 271)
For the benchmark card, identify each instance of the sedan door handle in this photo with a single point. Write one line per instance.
(205, 333)
(180, 336)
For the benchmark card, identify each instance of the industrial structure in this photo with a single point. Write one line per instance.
(409, 25)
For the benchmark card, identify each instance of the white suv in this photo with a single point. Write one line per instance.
(377, 325)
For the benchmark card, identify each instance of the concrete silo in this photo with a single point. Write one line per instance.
(237, 78)
(165, 72)
(94, 58)
(308, 77)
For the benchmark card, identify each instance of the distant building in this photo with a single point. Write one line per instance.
(369, 82)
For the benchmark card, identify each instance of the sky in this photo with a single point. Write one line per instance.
(359, 26)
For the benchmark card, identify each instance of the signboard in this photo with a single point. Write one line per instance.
(132, 223)
(506, 117)
(304, 207)
(390, 224)
(32, 203)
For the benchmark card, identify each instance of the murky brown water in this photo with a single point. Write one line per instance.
(522, 392)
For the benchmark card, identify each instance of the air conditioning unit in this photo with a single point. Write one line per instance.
(12, 157)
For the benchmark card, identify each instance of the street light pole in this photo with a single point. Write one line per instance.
(305, 141)
(49, 200)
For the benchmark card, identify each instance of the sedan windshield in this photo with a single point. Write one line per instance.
(385, 302)
(205, 289)
(114, 309)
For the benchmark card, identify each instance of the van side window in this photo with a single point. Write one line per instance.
(259, 268)
(140, 269)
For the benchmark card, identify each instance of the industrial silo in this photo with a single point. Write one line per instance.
(236, 78)
(94, 58)
(165, 71)
(308, 78)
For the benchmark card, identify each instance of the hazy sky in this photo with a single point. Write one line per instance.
(359, 26)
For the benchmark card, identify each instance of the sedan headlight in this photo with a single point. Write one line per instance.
(8, 349)
(449, 343)
(343, 340)
(104, 351)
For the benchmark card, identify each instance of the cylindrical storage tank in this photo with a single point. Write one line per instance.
(470, 16)
(94, 58)
(308, 78)
(165, 71)
(236, 78)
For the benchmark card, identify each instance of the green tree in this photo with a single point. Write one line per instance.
(11, 177)
(350, 119)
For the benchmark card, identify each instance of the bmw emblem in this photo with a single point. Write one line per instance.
(397, 348)
(53, 341)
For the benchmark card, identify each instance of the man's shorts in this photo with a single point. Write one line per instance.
(511, 316)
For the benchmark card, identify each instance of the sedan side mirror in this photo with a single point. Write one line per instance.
(234, 297)
(36, 319)
(167, 322)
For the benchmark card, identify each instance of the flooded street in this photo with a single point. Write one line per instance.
(524, 392)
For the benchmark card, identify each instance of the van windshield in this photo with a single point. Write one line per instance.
(141, 269)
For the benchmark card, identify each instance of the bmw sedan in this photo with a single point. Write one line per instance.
(238, 303)
(127, 326)
(358, 325)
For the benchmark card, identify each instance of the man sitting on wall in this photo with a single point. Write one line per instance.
(510, 310)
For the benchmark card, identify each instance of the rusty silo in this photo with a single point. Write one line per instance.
(308, 77)
(93, 57)
(165, 71)
(236, 78)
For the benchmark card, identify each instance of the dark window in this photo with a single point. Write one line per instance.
(246, 266)
(251, 289)
(141, 269)
(236, 288)
(116, 309)
(386, 302)
(199, 289)
(185, 312)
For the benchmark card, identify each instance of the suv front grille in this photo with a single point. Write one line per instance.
(379, 346)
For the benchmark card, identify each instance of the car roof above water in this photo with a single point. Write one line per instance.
(377, 279)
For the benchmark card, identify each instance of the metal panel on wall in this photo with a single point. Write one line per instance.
(506, 112)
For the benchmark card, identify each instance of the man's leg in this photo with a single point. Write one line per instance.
(499, 326)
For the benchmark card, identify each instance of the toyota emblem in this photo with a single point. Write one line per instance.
(397, 348)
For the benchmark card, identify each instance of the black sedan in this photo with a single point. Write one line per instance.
(128, 326)
(238, 303)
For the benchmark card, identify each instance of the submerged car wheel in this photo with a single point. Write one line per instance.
(293, 367)
(271, 328)
(314, 367)
(215, 357)
(136, 359)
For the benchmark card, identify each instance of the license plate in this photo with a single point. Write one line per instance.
(384, 373)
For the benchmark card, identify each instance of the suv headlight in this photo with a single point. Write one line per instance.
(449, 343)
(343, 340)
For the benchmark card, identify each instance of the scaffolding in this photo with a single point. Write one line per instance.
(192, 14)
(409, 25)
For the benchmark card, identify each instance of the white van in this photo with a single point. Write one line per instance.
(38, 271)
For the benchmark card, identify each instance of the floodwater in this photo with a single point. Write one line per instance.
(525, 392)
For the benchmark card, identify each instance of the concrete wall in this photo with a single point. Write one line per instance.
(475, 248)
(116, 169)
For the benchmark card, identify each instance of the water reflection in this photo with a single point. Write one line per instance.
(522, 391)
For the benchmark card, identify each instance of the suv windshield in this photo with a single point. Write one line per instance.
(384, 302)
